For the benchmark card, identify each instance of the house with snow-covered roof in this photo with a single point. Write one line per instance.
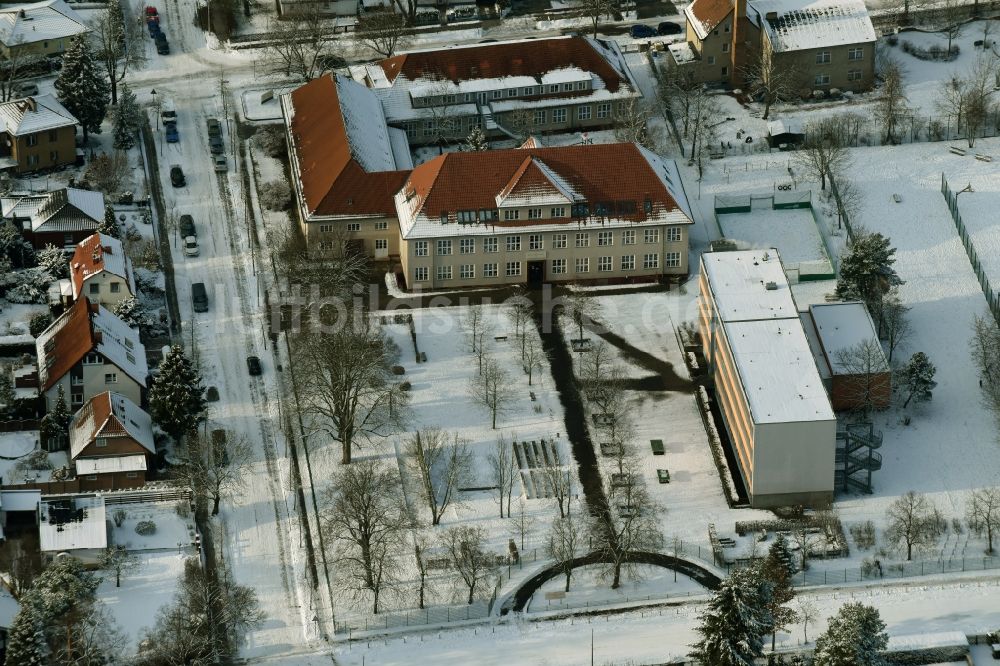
(830, 44)
(36, 133)
(100, 270)
(38, 28)
(509, 88)
(76, 525)
(111, 443)
(61, 217)
(87, 351)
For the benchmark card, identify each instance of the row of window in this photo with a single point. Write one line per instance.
(95, 287)
(852, 75)
(583, 112)
(381, 225)
(128, 475)
(506, 93)
(556, 267)
(823, 57)
(619, 208)
(35, 160)
(32, 139)
(445, 246)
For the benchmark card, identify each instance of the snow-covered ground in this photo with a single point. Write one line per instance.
(151, 585)
(793, 232)
(589, 588)
(173, 531)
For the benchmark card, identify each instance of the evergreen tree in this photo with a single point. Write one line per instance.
(866, 270)
(38, 323)
(177, 398)
(733, 626)
(53, 259)
(918, 378)
(130, 311)
(7, 394)
(26, 644)
(477, 140)
(14, 247)
(855, 636)
(126, 119)
(777, 569)
(109, 225)
(82, 86)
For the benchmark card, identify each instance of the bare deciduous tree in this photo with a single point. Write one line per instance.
(985, 348)
(565, 544)
(950, 16)
(705, 111)
(115, 50)
(382, 31)
(107, 172)
(504, 468)
(14, 67)
(472, 325)
(895, 325)
(631, 123)
(366, 519)
(302, 46)
(492, 389)
(824, 152)
(522, 523)
(678, 550)
(912, 521)
(595, 10)
(983, 514)
(558, 482)
(21, 560)
(807, 612)
(118, 559)
(534, 356)
(520, 311)
(420, 546)
(891, 106)
(466, 549)
(864, 375)
(442, 463)
(345, 381)
(217, 468)
(581, 308)
(770, 79)
(677, 92)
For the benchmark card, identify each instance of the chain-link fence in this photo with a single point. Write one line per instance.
(992, 297)
(874, 569)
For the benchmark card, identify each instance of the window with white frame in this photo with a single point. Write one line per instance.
(381, 226)
(558, 241)
(325, 228)
(582, 264)
(467, 246)
(673, 234)
(489, 270)
(467, 271)
(651, 236)
(650, 261)
(558, 115)
(823, 58)
(583, 239)
(604, 264)
(557, 211)
(512, 92)
(497, 94)
(857, 53)
(444, 272)
(583, 112)
(420, 274)
(628, 262)
(528, 91)
(535, 242)
(854, 75)
(672, 259)
(541, 117)
(513, 243)
(381, 243)
(111, 378)
(628, 237)
(581, 85)
(419, 248)
(444, 247)
(604, 109)
(534, 213)
(605, 238)
(554, 88)
(513, 268)
(558, 266)
(466, 216)
(822, 79)
(490, 244)
(511, 214)
(354, 226)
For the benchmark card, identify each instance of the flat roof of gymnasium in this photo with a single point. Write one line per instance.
(841, 326)
(739, 284)
(777, 371)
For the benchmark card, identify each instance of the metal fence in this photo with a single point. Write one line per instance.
(875, 570)
(992, 297)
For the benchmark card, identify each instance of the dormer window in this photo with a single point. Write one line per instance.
(92, 359)
(444, 217)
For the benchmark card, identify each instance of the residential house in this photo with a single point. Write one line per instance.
(88, 351)
(100, 270)
(62, 217)
(512, 88)
(775, 409)
(75, 525)
(829, 44)
(38, 28)
(111, 443)
(36, 133)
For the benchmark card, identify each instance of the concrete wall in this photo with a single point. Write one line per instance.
(794, 463)
(369, 229)
(717, 47)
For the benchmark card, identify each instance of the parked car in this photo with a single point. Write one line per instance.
(214, 127)
(253, 366)
(25, 89)
(191, 246)
(640, 31)
(221, 163)
(177, 176)
(199, 297)
(187, 226)
(154, 28)
(162, 46)
(668, 28)
(215, 145)
(151, 11)
(171, 131)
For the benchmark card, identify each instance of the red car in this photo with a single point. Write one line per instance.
(151, 11)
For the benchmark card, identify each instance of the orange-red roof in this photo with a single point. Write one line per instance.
(92, 256)
(710, 12)
(333, 183)
(489, 61)
(65, 342)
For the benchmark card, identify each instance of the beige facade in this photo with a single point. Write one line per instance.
(40, 48)
(850, 67)
(375, 237)
(106, 288)
(714, 53)
(43, 150)
(87, 380)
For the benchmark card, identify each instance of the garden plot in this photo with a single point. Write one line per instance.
(792, 231)
(172, 531)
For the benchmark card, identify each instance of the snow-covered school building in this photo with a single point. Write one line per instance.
(776, 411)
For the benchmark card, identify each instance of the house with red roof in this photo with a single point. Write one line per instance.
(62, 217)
(101, 271)
(111, 443)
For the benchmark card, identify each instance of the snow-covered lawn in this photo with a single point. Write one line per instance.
(143, 591)
(589, 587)
(173, 532)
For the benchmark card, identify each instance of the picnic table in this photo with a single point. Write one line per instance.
(657, 446)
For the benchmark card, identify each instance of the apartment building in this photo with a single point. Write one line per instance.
(36, 133)
(775, 408)
(512, 88)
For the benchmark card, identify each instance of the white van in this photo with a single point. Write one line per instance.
(168, 112)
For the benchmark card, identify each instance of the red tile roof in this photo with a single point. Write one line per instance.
(333, 183)
(65, 342)
(109, 415)
(597, 173)
(89, 259)
(488, 61)
(710, 12)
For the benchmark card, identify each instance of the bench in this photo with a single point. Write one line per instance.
(984, 158)
(657, 446)
(500, 338)
(663, 475)
(954, 150)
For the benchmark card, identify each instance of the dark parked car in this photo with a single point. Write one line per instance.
(641, 31)
(199, 297)
(162, 47)
(177, 176)
(215, 145)
(171, 132)
(187, 226)
(253, 366)
(154, 29)
(668, 28)
(214, 127)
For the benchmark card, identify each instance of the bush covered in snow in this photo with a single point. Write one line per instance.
(30, 285)
(275, 195)
(38, 323)
(935, 52)
(34, 460)
(145, 528)
(271, 140)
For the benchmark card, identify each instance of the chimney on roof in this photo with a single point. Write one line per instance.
(30, 104)
(98, 337)
(22, 14)
(94, 307)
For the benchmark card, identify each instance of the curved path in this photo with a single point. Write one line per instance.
(519, 599)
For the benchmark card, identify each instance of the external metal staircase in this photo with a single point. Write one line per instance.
(857, 458)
